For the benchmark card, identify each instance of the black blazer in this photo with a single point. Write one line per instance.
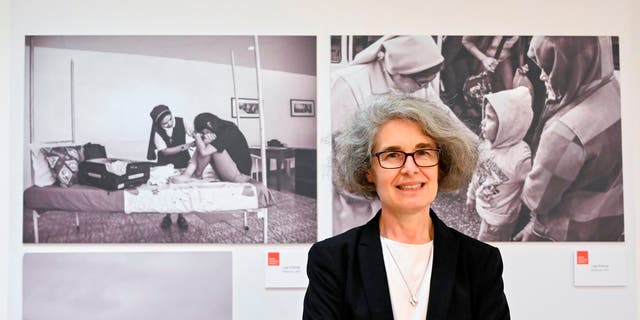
(347, 278)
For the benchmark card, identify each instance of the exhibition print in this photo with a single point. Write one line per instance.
(127, 286)
(544, 110)
(169, 139)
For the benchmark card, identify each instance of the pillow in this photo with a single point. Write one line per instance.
(63, 162)
(42, 175)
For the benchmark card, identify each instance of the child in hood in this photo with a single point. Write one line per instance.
(504, 162)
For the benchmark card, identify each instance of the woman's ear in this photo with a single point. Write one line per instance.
(369, 175)
(209, 125)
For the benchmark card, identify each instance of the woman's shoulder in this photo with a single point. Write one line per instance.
(344, 240)
(343, 247)
(229, 128)
(473, 245)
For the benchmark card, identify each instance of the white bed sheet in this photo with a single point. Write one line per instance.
(194, 196)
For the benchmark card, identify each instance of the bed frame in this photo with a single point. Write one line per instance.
(81, 198)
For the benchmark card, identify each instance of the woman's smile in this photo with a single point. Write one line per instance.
(410, 187)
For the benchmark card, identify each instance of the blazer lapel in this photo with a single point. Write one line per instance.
(374, 276)
(445, 258)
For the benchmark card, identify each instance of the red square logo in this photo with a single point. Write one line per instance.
(582, 257)
(273, 259)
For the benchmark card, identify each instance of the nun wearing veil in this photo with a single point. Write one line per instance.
(391, 65)
(168, 143)
(400, 65)
(168, 138)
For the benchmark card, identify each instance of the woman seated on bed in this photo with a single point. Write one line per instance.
(222, 145)
(169, 137)
(168, 142)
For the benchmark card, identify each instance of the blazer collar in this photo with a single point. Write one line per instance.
(443, 274)
(374, 277)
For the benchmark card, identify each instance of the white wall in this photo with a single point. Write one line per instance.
(114, 92)
(5, 21)
(537, 276)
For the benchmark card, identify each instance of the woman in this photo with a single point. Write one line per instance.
(222, 145)
(168, 139)
(574, 190)
(391, 65)
(405, 263)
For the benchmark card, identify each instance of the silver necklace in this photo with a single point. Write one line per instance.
(413, 300)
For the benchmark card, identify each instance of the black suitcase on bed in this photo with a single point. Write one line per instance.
(94, 173)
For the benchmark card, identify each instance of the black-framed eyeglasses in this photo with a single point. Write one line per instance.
(396, 159)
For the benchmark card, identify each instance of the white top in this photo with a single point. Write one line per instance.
(415, 262)
(161, 145)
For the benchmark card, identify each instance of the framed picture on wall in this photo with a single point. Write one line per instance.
(303, 108)
(248, 108)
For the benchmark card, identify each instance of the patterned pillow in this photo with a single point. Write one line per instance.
(63, 162)
(41, 174)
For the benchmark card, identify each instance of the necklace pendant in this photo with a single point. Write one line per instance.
(413, 301)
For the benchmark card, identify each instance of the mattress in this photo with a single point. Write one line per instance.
(78, 198)
(200, 196)
(195, 196)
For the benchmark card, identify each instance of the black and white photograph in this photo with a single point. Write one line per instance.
(131, 285)
(303, 108)
(544, 112)
(130, 139)
(248, 108)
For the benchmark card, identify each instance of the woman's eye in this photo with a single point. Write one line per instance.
(426, 153)
(391, 155)
(422, 152)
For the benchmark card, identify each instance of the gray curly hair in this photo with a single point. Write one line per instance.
(353, 145)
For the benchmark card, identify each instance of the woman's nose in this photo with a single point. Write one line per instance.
(410, 164)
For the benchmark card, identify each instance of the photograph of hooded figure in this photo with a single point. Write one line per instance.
(574, 189)
(505, 161)
(404, 65)
(549, 129)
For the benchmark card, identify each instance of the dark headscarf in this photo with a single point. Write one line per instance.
(576, 67)
(207, 120)
(157, 113)
(228, 138)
